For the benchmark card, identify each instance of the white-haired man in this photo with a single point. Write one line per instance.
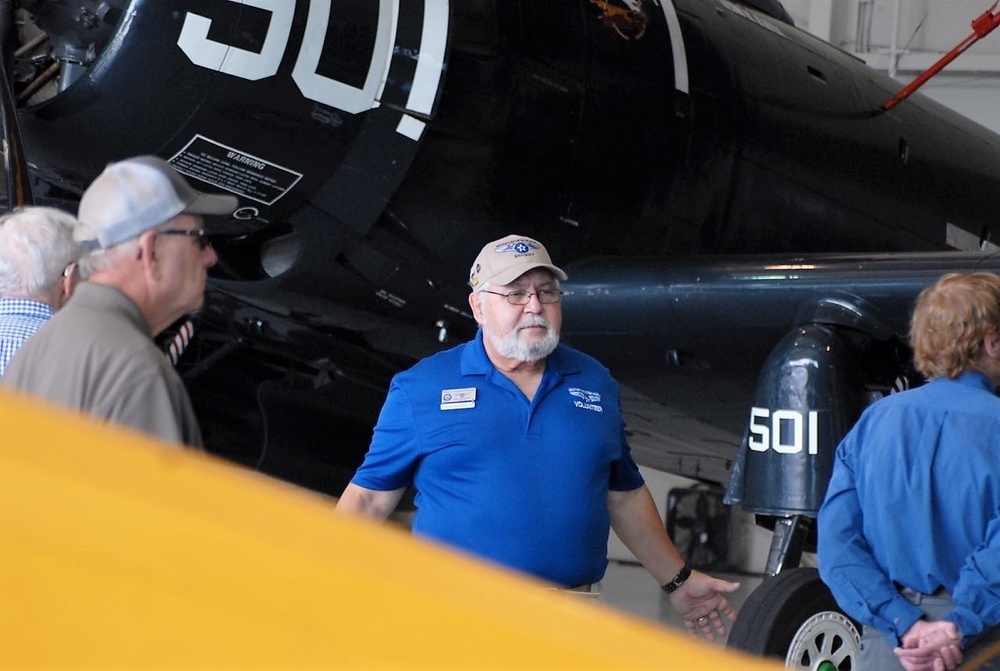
(38, 272)
(147, 268)
(516, 447)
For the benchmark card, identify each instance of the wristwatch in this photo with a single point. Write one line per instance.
(678, 580)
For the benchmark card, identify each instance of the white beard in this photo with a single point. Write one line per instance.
(510, 346)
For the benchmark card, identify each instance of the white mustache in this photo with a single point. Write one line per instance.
(533, 321)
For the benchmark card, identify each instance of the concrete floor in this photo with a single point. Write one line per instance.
(627, 587)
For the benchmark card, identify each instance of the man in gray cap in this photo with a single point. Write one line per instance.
(147, 267)
(516, 447)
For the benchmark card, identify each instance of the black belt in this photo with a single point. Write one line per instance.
(916, 597)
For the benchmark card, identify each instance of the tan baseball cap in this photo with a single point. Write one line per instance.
(503, 261)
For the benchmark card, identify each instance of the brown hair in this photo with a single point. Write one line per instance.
(950, 320)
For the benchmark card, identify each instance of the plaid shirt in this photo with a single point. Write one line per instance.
(19, 319)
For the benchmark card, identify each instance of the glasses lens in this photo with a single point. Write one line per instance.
(198, 234)
(518, 297)
(524, 297)
(549, 296)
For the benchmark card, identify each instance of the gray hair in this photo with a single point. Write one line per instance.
(101, 258)
(36, 246)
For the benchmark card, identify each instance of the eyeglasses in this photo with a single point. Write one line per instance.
(545, 296)
(198, 234)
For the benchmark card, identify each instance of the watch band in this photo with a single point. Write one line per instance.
(678, 580)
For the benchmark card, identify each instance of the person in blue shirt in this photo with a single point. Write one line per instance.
(516, 448)
(38, 272)
(909, 531)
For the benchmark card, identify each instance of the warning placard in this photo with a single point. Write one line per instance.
(233, 170)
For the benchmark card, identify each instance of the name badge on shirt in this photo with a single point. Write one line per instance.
(458, 399)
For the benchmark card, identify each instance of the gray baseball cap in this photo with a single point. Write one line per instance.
(138, 194)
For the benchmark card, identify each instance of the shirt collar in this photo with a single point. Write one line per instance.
(103, 297)
(25, 307)
(973, 378)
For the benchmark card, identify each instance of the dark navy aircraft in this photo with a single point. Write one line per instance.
(744, 222)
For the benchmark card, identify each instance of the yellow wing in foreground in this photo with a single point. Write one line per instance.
(119, 552)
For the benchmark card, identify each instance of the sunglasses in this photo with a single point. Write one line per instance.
(198, 234)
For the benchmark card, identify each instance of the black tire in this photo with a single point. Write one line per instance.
(793, 616)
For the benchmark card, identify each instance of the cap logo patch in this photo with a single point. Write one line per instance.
(518, 247)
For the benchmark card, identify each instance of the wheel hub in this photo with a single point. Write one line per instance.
(827, 641)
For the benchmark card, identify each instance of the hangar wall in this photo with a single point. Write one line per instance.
(748, 543)
(905, 37)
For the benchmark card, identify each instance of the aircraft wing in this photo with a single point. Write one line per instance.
(121, 552)
(689, 338)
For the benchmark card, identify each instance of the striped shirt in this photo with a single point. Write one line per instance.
(19, 319)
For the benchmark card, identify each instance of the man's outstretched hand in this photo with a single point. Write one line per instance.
(702, 606)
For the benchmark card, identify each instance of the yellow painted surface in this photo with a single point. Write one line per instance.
(119, 552)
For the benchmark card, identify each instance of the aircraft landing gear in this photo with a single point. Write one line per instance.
(810, 391)
(793, 616)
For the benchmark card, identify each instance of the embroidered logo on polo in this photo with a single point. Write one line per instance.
(458, 399)
(587, 400)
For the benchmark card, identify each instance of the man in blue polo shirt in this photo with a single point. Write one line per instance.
(909, 533)
(515, 445)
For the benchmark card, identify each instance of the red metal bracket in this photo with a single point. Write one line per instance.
(981, 27)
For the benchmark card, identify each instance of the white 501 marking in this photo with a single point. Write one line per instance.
(766, 431)
(193, 41)
(207, 53)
